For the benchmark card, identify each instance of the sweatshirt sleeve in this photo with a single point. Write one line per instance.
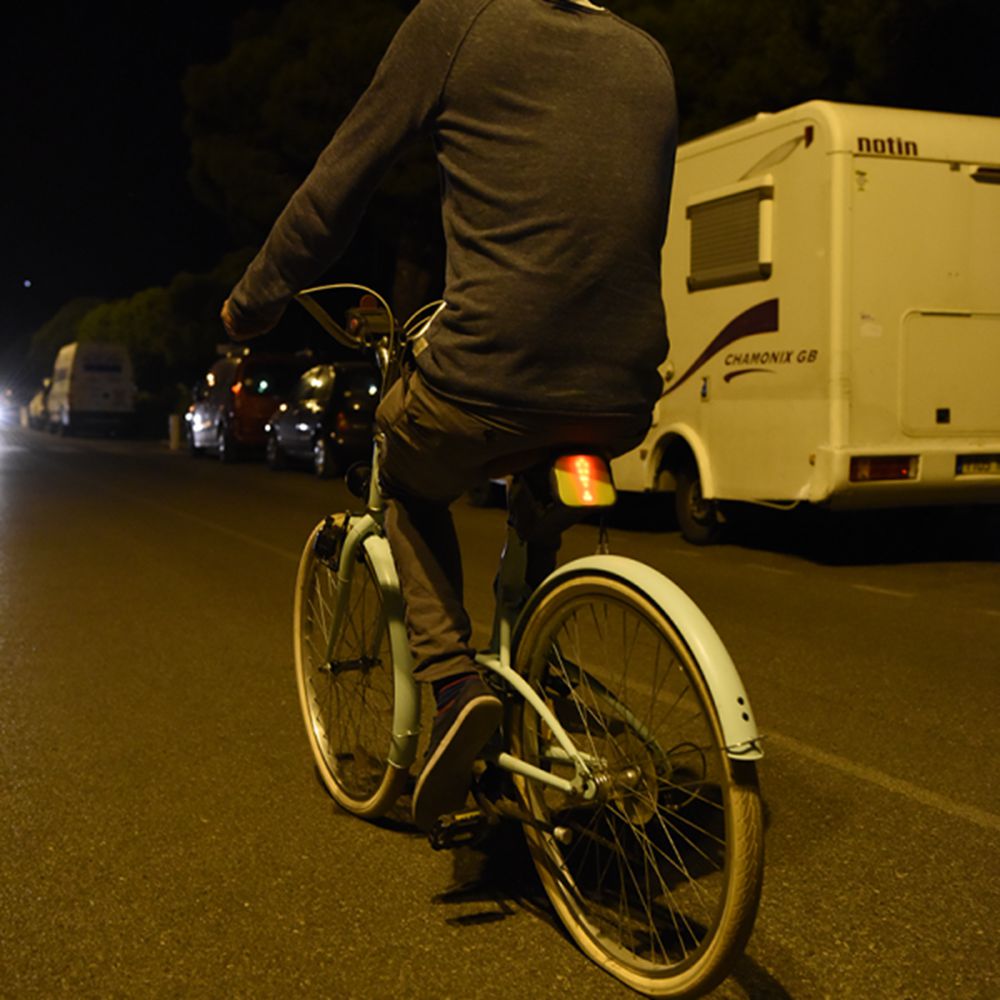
(320, 219)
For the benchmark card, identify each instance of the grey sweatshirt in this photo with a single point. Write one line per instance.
(555, 131)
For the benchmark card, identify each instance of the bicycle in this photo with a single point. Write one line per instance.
(628, 749)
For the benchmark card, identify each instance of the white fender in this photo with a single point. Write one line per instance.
(406, 703)
(738, 726)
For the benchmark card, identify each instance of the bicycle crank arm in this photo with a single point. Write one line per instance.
(505, 809)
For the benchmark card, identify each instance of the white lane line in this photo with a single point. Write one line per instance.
(979, 817)
(884, 591)
(203, 521)
(216, 526)
(772, 569)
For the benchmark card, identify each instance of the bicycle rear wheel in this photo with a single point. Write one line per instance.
(657, 878)
(347, 696)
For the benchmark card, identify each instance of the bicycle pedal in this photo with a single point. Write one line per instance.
(459, 829)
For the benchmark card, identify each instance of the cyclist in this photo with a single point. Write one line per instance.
(554, 123)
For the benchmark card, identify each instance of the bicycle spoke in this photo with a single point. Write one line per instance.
(346, 678)
(643, 875)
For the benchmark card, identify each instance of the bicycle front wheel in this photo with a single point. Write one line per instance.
(345, 682)
(657, 878)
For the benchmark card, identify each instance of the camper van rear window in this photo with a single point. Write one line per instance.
(729, 239)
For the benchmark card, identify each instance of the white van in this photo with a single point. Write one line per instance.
(92, 387)
(832, 283)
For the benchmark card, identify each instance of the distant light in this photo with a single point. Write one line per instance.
(27, 282)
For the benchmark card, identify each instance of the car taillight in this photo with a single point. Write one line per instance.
(872, 468)
(236, 388)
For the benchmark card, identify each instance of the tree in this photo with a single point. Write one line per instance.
(170, 332)
(259, 118)
(62, 328)
(733, 59)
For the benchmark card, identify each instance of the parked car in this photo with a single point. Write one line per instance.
(233, 402)
(327, 419)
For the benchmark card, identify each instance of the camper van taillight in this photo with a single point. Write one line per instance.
(872, 468)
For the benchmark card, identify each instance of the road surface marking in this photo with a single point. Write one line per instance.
(885, 591)
(216, 526)
(772, 569)
(979, 817)
(203, 521)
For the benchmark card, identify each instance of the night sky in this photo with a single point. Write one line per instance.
(94, 195)
(93, 188)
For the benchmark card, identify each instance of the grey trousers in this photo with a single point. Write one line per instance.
(431, 451)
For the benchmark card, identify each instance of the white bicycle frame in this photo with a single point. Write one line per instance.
(514, 604)
(739, 729)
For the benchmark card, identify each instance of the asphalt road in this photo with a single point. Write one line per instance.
(162, 833)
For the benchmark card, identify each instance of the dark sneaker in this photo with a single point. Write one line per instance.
(462, 727)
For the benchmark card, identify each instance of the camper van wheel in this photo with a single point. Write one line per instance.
(698, 518)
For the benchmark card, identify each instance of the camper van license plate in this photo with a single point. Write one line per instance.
(978, 465)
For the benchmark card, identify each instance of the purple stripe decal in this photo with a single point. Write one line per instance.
(761, 318)
(747, 371)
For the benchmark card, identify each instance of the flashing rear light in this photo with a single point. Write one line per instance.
(883, 468)
(583, 481)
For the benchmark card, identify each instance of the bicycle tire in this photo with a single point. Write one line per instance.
(658, 879)
(347, 702)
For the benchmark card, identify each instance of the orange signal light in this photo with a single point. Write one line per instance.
(583, 481)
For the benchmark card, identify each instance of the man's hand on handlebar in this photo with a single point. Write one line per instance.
(237, 330)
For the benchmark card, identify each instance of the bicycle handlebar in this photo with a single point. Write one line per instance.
(353, 336)
(371, 327)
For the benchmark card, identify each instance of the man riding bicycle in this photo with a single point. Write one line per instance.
(555, 128)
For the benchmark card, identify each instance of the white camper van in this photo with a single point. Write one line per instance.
(832, 284)
(91, 387)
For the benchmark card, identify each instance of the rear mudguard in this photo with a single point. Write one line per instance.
(739, 729)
